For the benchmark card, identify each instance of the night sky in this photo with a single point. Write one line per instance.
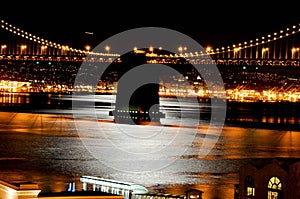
(209, 23)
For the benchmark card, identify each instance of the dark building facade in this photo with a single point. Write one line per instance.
(273, 180)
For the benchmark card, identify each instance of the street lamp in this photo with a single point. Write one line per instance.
(264, 50)
(64, 50)
(235, 52)
(208, 49)
(23, 47)
(181, 49)
(87, 48)
(3, 47)
(43, 48)
(294, 50)
(107, 48)
(151, 49)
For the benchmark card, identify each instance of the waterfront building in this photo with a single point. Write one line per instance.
(18, 190)
(277, 179)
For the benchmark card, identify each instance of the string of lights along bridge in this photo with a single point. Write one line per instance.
(277, 48)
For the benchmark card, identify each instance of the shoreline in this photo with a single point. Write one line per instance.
(242, 124)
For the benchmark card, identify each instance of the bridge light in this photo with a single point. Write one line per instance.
(87, 47)
(208, 49)
(179, 49)
(107, 48)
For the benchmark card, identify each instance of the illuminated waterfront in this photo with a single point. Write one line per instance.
(232, 94)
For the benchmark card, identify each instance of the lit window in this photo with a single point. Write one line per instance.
(274, 188)
(250, 191)
(249, 186)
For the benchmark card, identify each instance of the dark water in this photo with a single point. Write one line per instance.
(51, 147)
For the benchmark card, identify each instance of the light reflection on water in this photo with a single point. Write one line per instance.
(47, 149)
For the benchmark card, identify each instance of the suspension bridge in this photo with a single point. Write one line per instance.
(30, 63)
(281, 48)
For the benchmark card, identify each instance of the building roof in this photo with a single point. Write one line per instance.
(284, 163)
(193, 190)
(20, 185)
